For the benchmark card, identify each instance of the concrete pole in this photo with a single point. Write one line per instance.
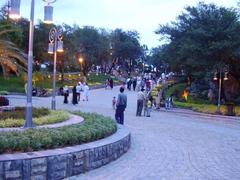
(29, 107)
(54, 70)
(219, 94)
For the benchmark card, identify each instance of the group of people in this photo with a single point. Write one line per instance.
(137, 83)
(144, 103)
(78, 91)
(145, 100)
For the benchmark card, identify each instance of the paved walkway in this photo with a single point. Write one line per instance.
(168, 145)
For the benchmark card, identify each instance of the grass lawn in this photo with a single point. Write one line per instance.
(16, 84)
(12, 84)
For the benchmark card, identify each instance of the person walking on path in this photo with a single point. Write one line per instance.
(159, 98)
(134, 83)
(121, 106)
(85, 92)
(140, 101)
(111, 83)
(74, 96)
(65, 94)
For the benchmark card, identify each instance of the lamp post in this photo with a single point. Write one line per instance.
(14, 14)
(80, 60)
(55, 45)
(221, 75)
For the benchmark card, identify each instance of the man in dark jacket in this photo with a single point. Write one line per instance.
(121, 106)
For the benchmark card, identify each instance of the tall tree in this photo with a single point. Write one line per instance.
(203, 36)
(12, 59)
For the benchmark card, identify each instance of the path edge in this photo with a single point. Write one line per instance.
(65, 162)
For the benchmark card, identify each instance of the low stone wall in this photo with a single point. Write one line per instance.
(61, 163)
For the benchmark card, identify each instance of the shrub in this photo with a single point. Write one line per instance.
(51, 118)
(19, 113)
(4, 101)
(4, 92)
(94, 127)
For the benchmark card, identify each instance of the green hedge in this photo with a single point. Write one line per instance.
(205, 108)
(19, 113)
(49, 118)
(94, 127)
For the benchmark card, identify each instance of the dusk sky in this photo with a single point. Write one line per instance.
(141, 15)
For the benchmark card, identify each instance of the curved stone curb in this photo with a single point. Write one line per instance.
(65, 162)
(73, 120)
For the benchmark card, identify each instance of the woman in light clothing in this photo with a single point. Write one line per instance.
(85, 92)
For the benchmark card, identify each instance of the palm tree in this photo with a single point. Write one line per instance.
(12, 59)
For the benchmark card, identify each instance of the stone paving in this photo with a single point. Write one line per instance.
(168, 145)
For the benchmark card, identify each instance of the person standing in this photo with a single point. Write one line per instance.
(140, 101)
(78, 90)
(65, 94)
(134, 83)
(74, 96)
(159, 98)
(111, 83)
(85, 92)
(121, 106)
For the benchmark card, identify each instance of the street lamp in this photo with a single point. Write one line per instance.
(55, 45)
(80, 60)
(221, 75)
(15, 13)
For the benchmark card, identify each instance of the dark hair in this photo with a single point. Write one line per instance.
(121, 89)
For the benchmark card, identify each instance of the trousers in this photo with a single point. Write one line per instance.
(119, 114)
(139, 107)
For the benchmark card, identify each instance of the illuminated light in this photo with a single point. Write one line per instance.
(50, 48)
(185, 95)
(225, 76)
(80, 60)
(48, 14)
(215, 77)
(14, 12)
(60, 46)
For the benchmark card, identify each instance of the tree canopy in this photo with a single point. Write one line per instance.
(200, 38)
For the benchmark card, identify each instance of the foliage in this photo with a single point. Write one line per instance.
(205, 108)
(12, 84)
(94, 127)
(52, 117)
(19, 113)
(200, 38)
(4, 101)
(4, 92)
(12, 59)
(176, 90)
(44, 81)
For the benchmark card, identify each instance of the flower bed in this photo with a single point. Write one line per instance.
(94, 127)
(41, 116)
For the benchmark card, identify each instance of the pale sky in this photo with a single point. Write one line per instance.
(141, 15)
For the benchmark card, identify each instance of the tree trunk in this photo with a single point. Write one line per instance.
(113, 64)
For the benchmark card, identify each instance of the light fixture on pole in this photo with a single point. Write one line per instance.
(80, 60)
(15, 13)
(55, 45)
(218, 75)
